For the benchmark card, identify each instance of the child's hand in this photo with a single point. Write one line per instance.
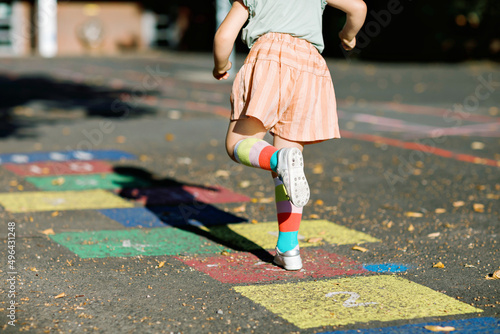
(222, 74)
(347, 44)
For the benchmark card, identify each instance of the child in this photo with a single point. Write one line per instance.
(284, 87)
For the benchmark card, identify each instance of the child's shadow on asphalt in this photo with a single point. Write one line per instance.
(169, 200)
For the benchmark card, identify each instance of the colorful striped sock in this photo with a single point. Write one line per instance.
(258, 153)
(289, 217)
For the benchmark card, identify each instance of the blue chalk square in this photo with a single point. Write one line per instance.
(24, 158)
(177, 216)
(133, 217)
(465, 326)
(386, 268)
(201, 215)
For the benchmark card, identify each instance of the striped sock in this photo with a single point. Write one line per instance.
(258, 153)
(289, 217)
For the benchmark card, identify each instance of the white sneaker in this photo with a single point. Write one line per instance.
(290, 260)
(291, 172)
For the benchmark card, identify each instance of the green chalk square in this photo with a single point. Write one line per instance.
(134, 242)
(86, 182)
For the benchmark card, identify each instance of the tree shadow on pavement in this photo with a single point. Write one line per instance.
(28, 101)
(174, 205)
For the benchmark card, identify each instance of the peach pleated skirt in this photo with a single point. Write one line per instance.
(286, 84)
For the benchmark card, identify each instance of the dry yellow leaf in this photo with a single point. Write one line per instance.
(439, 265)
(48, 231)
(492, 196)
(319, 202)
(244, 184)
(359, 248)
(58, 182)
(458, 204)
(440, 210)
(496, 274)
(60, 295)
(266, 200)
(411, 228)
(414, 214)
(33, 269)
(313, 216)
(478, 207)
(241, 208)
(120, 139)
(318, 169)
(440, 328)
(433, 235)
(161, 264)
(55, 213)
(314, 240)
(254, 221)
(169, 137)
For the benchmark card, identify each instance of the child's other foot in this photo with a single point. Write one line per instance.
(290, 260)
(291, 171)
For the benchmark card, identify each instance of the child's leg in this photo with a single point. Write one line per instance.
(289, 217)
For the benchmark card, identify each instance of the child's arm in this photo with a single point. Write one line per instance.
(356, 14)
(226, 36)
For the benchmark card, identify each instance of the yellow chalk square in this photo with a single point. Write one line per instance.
(265, 234)
(353, 300)
(61, 200)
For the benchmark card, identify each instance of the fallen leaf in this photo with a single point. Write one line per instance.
(492, 196)
(458, 204)
(254, 221)
(440, 328)
(244, 184)
(318, 169)
(319, 202)
(161, 264)
(33, 269)
(222, 173)
(411, 228)
(48, 231)
(314, 240)
(55, 213)
(496, 274)
(266, 200)
(477, 145)
(225, 253)
(60, 295)
(440, 210)
(433, 235)
(478, 207)
(359, 248)
(313, 216)
(120, 139)
(169, 137)
(241, 208)
(58, 182)
(414, 214)
(439, 265)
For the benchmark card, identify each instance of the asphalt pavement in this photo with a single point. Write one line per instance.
(121, 212)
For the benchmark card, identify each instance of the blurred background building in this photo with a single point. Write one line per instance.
(395, 30)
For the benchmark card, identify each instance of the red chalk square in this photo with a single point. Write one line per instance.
(60, 168)
(248, 268)
(183, 194)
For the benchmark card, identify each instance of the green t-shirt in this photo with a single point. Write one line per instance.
(299, 18)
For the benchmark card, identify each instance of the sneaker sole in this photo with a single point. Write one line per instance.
(294, 180)
(289, 263)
